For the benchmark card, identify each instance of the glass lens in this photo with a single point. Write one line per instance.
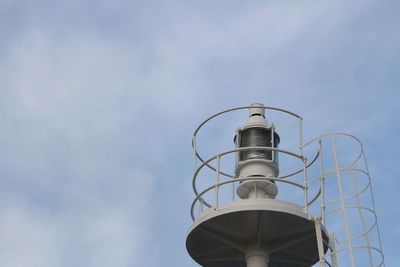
(255, 137)
(276, 153)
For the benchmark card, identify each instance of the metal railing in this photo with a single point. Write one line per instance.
(341, 204)
(232, 180)
(321, 204)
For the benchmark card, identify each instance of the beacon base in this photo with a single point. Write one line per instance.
(222, 237)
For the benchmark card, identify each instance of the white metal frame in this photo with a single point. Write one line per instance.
(327, 207)
(336, 247)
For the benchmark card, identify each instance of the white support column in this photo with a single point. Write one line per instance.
(333, 249)
(257, 258)
(318, 233)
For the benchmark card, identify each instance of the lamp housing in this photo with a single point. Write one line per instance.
(265, 162)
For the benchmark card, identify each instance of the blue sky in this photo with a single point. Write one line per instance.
(98, 101)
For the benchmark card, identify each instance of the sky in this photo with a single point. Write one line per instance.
(99, 100)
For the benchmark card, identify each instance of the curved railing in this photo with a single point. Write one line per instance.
(216, 186)
(216, 160)
(197, 155)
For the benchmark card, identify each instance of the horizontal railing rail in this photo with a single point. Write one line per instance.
(220, 155)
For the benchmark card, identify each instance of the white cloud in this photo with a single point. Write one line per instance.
(28, 239)
(75, 190)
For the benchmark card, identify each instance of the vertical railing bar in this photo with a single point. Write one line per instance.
(373, 205)
(217, 182)
(322, 181)
(301, 136)
(356, 188)
(273, 143)
(305, 185)
(341, 193)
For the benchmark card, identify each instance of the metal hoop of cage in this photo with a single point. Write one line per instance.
(350, 211)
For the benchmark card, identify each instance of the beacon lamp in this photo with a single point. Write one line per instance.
(257, 162)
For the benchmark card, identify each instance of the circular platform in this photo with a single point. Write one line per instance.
(220, 238)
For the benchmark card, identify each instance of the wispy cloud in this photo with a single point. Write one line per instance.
(98, 101)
